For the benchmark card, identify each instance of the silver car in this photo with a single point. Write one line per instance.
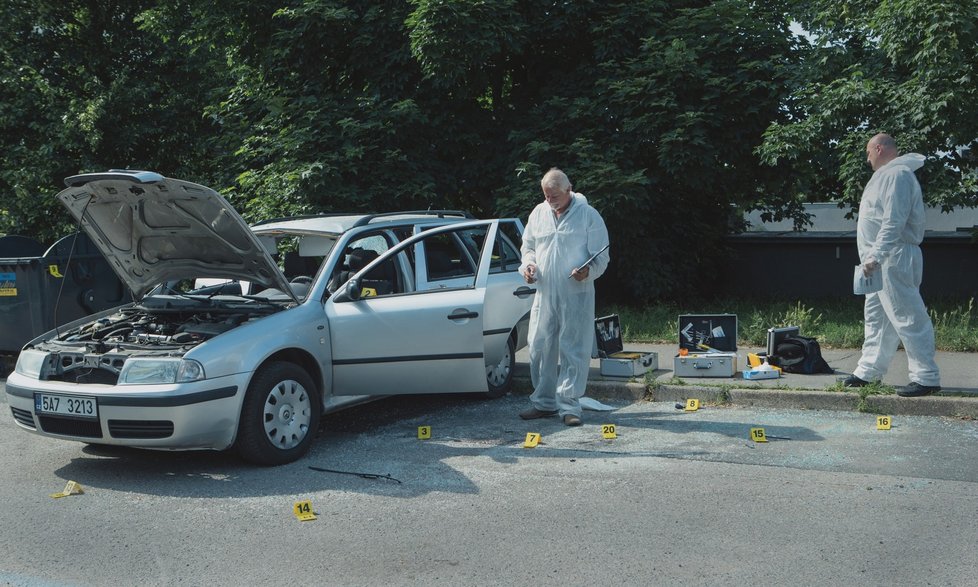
(244, 336)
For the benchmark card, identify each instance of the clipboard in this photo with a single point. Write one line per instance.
(862, 285)
(589, 261)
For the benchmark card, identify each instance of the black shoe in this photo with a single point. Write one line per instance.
(916, 390)
(533, 414)
(853, 381)
(572, 420)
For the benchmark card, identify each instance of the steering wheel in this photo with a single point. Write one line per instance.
(301, 279)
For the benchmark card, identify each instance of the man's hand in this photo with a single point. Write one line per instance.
(581, 274)
(870, 266)
(530, 273)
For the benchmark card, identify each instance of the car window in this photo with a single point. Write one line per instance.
(447, 258)
(507, 255)
(382, 280)
(300, 257)
(461, 249)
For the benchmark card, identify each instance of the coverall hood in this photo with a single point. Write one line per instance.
(912, 161)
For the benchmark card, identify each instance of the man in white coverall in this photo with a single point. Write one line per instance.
(562, 233)
(888, 236)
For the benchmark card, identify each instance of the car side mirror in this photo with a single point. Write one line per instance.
(350, 292)
(353, 289)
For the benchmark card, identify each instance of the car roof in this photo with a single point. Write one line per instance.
(344, 222)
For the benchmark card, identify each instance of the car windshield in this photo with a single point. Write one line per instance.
(299, 256)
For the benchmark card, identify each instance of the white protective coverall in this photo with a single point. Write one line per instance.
(562, 316)
(890, 229)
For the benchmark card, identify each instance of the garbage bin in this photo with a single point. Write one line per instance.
(13, 245)
(38, 293)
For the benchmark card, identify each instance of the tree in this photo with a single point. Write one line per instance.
(654, 108)
(327, 109)
(84, 88)
(906, 67)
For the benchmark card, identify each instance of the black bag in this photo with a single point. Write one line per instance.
(802, 354)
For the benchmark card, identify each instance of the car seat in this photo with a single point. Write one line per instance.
(442, 262)
(360, 258)
(292, 265)
(439, 264)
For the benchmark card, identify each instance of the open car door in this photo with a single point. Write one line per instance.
(417, 341)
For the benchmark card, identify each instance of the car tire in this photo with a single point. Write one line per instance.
(280, 415)
(500, 376)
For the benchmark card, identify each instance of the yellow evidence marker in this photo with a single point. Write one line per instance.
(883, 422)
(757, 435)
(71, 488)
(532, 440)
(608, 431)
(303, 511)
(424, 432)
(692, 405)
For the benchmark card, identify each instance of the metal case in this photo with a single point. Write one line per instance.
(615, 361)
(705, 365)
(776, 335)
(710, 341)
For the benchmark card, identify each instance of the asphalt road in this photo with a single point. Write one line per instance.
(678, 498)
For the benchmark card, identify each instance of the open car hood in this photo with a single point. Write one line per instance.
(153, 229)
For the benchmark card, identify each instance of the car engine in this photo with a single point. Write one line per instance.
(158, 326)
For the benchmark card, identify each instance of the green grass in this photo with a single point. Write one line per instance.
(835, 323)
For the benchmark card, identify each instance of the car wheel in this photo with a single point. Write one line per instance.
(280, 415)
(500, 376)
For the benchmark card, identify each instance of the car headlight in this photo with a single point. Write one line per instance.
(30, 364)
(149, 371)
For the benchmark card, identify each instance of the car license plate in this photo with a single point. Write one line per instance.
(63, 405)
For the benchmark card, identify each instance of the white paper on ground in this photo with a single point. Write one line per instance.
(594, 405)
(862, 285)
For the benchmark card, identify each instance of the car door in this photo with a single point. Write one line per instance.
(443, 262)
(508, 296)
(422, 341)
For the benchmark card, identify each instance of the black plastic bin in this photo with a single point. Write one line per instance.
(39, 292)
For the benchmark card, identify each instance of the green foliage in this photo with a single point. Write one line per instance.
(956, 326)
(638, 107)
(463, 46)
(905, 67)
(667, 115)
(330, 112)
(299, 106)
(83, 88)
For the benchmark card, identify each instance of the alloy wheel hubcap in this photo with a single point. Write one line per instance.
(498, 373)
(287, 414)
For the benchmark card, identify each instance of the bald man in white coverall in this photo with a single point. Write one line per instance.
(888, 235)
(562, 233)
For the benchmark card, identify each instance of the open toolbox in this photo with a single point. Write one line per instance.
(615, 361)
(707, 346)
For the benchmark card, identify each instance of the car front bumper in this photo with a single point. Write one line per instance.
(199, 415)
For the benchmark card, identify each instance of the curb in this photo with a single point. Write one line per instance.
(800, 399)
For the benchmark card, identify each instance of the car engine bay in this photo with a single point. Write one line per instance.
(161, 325)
